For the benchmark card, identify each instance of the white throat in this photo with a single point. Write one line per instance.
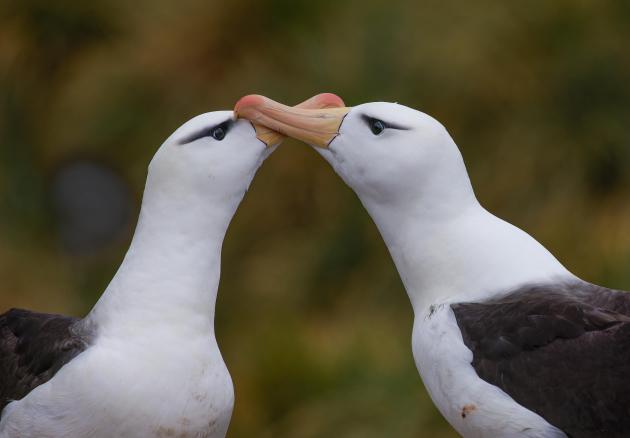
(170, 274)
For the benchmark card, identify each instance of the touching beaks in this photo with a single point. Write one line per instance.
(315, 121)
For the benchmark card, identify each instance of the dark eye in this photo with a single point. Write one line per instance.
(376, 126)
(218, 133)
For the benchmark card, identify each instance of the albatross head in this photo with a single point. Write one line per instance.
(213, 156)
(389, 154)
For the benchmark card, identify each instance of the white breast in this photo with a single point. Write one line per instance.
(118, 389)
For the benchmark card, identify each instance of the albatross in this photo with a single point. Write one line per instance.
(507, 341)
(145, 361)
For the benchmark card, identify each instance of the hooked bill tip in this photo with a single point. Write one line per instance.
(252, 100)
(327, 100)
(257, 101)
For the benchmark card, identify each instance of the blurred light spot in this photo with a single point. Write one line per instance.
(93, 206)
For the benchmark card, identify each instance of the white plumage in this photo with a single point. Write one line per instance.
(447, 248)
(152, 366)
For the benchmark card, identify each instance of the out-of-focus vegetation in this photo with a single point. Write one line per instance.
(312, 318)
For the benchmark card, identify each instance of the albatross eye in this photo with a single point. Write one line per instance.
(376, 126)
(218, 133)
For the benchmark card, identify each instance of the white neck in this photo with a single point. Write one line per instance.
(170, 274)
(452, 249)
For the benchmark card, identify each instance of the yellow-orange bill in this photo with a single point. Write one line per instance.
(315, 121)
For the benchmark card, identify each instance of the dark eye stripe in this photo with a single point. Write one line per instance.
(206, 132)
(369, 120)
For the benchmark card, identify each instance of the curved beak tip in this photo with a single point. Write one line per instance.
(249, 101)
(329, 100)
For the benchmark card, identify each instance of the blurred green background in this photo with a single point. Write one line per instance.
(312, 319)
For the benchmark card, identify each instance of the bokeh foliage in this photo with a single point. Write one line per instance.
(312, 318)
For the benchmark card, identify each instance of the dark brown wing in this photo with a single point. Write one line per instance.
(33, 347)
(562, 351)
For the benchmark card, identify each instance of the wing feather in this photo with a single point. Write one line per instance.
(562, 351)
(33, 347)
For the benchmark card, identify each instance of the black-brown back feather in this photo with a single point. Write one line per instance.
(33, 347)
(562, 351)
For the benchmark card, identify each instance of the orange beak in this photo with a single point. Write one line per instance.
(315, 121)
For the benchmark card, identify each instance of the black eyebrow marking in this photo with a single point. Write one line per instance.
(369, 119)
(205, 132)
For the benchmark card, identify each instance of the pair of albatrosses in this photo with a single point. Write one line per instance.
(507, 341)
